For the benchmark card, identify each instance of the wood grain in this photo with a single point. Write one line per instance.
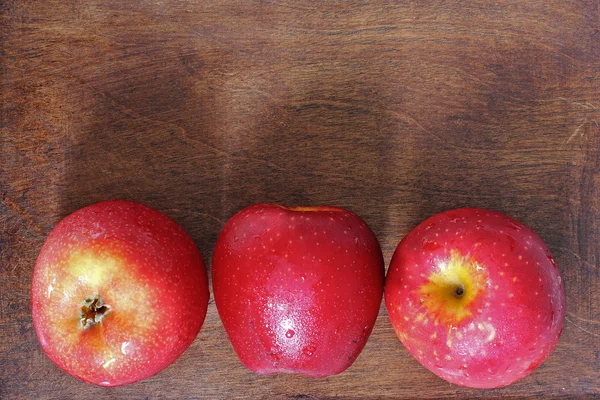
(395, 110)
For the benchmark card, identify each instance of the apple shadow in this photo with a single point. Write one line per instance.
(148, 133)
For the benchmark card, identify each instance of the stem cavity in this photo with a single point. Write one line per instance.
(92, 311)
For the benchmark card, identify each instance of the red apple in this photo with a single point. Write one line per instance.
(475, 297)
(298, 289)
(119, 292)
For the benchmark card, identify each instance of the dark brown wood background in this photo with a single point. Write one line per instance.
(394, 109)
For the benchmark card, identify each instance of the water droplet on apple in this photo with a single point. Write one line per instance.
(290, 334)
(124, 347)
(355, 239)
(309, 350)
(235, 238)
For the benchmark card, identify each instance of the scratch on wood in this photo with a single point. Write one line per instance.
(578, 257)
(552, 50)
(590, 321)
(220, 221)
(585, 330)
(476, 79)
(411, 119)
(576, 132)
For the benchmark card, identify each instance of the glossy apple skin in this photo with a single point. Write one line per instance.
(298, 290)
(144, 266)
(509, 326)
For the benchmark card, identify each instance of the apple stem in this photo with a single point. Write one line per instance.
(93, 310)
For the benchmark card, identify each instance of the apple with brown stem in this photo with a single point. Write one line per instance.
(119, 292)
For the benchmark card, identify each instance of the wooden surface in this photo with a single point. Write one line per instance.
(395, 110)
